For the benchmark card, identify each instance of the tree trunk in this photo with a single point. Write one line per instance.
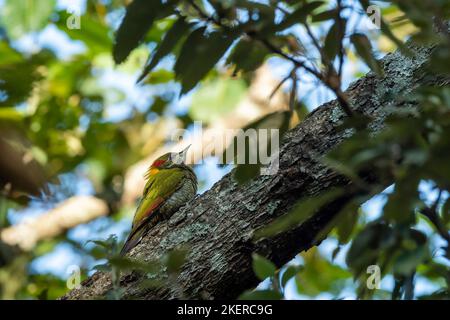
(218, 225)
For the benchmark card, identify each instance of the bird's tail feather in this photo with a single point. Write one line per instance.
(136, 236)
(132, 241)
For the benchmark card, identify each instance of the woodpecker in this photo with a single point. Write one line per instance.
(170, 184)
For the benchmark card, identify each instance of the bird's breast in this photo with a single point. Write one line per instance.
(179, 198)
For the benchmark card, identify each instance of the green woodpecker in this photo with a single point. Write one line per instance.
(170, 184)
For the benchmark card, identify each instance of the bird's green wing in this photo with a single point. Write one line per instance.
(158, 189)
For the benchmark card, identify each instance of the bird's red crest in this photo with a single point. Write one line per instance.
(158, 163)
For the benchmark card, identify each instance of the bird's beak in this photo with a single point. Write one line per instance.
(181, 156)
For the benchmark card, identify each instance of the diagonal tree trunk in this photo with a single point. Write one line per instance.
(219, 224)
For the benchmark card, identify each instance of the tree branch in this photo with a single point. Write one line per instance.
(218, 226)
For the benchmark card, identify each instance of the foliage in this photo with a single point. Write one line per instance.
(55, 114)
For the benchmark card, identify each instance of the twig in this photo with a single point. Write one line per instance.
(431, 214)
(342, 99)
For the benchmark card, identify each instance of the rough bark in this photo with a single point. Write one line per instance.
(219, 224)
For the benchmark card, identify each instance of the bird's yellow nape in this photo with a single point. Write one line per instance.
(152, 171)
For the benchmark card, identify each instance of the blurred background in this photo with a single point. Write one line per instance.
(78, 133)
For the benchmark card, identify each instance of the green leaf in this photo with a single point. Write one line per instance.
(408, 259)
(446, 213)
(175, 259)
(263, 267)
(403, 200)
(102, 267)
(366, 246)
(386, 30)
(109, 243)
(300, 14)
(348, 218)
(199, 54)
(159, 106)
(319, 275)
(139, 17)
(93, 33)
(127, 264)
(364, 50)
(439, 59)
(246, 172)
(172, 37)
(8, 55)
(248, 55)
(23, 16)
(289, 273)
(324, 15)
(334, 38)
(17, 79)
(301, 212)
(260, 295)
(160, 76)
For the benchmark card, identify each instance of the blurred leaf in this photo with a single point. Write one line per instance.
(440, 294)
(158, 106)
(247, 55)
(289, 273)
(160, 76)
(265, 14)
(246, 172)
(23, 16)
(386, 30)
(17, 79)
(105, 267)
(260, 295)
(10, 115)
(334, 38)
(318, 275)
(408, 260)
(446, 213)
(93, 33)
(402, 201)
(262, 267)
(175, 259)
(348, 218)
(439, 58)
(199, 54)
(139, 17)
(172, 37)
(43, 295)
(110, 245)
(300, 14)
(367, 246)
(364, 50)
(8, 55)
(127, 264)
